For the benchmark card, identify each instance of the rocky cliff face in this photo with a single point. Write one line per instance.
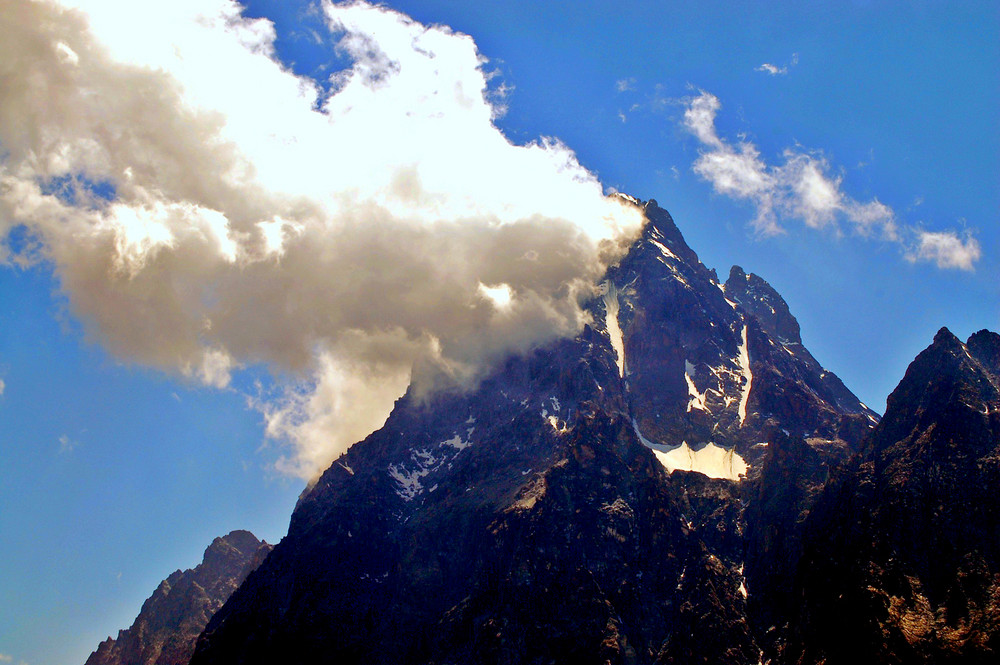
(585, 503)
(718, 364)
(171, 619)
(902, 552)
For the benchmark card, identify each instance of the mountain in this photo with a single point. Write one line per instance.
(585, 503)
(902, 551)
(171, 619)
(721, 363)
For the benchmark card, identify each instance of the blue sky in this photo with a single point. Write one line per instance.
(124, 452)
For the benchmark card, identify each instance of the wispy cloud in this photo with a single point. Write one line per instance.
(775, 70)
(623, 85)
(67, 445)
(804, 187)
(5, 658)
(3, 387)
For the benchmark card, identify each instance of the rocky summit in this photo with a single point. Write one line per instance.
(171, 619)
(902, 551)
(585, 503)
(682, 482)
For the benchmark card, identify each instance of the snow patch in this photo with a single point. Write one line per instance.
(712, 460)
(663, 250)
(611, 323)
(346, 468)
(554, 422)
(409, 481)
(696, 399)
(457, 442)
(744, 361)
(628, 198)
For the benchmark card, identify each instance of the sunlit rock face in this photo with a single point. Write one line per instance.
(171, 619)
(584, 503)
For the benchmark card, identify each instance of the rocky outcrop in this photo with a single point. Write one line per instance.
(902, 552)
(171, 619)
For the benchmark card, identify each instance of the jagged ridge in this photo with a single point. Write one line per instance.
(175, 614)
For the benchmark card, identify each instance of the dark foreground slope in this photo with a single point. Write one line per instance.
(902, 553)
(171, 619)
(551, 514)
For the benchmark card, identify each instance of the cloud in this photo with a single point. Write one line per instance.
(67, 445)
(207, 210)
(5, 658)
(804, 187)
(946, 249)
(775, 70)
(772, 69)
(3, 387)
(624, 85)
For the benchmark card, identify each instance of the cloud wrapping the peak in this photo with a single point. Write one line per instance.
(205, 209)
(803, 187)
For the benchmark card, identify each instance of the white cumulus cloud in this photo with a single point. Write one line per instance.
(803, 186)
(946, 249)
(206, 209)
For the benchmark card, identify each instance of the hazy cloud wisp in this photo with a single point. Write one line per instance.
(775, 70)
(803, 188)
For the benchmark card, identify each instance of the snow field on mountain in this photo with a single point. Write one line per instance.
(712, 460)
(744, 361)
(611, 322)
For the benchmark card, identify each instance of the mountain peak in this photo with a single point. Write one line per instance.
(985, 347)
(942, 382)
(946, 337)
(909, 524)
(760, 299)
(168, 625)
(581, 497)
(658, 219)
